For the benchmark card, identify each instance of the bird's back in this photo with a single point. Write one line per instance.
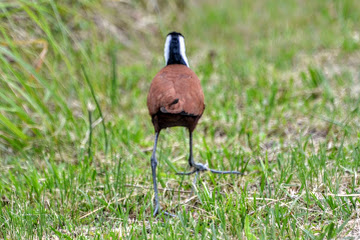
(176, 96)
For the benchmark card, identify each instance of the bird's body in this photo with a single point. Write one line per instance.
(176, 99)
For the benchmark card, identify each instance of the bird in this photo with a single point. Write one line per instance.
(176, 99)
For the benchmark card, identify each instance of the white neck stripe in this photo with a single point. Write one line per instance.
(181, 48)
(166, 49)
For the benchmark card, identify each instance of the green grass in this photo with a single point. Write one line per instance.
(281, 83)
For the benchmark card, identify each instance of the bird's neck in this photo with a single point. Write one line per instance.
(175, 51)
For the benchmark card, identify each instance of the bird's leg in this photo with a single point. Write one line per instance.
(153, 168)
(199, 167)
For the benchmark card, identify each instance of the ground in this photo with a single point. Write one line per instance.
(281, 81)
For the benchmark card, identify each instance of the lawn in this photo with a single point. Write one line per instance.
(281, 81)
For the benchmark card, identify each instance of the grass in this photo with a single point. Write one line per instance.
(281, 82)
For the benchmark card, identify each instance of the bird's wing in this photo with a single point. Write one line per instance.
(176, 89)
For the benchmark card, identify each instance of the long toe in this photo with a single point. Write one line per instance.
(157, 212)
(198, 167)
(201, 167)
(186, 173)
(169, 214)
(226, 172)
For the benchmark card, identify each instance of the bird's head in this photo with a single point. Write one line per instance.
(174, 50)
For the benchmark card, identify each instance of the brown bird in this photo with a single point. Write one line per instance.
(176, 99)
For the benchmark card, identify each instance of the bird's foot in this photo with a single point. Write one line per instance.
(158, 212)
(198, 167)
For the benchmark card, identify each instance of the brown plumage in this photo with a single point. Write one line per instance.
(176, 99)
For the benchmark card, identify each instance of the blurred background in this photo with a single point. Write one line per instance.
(281, 79)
